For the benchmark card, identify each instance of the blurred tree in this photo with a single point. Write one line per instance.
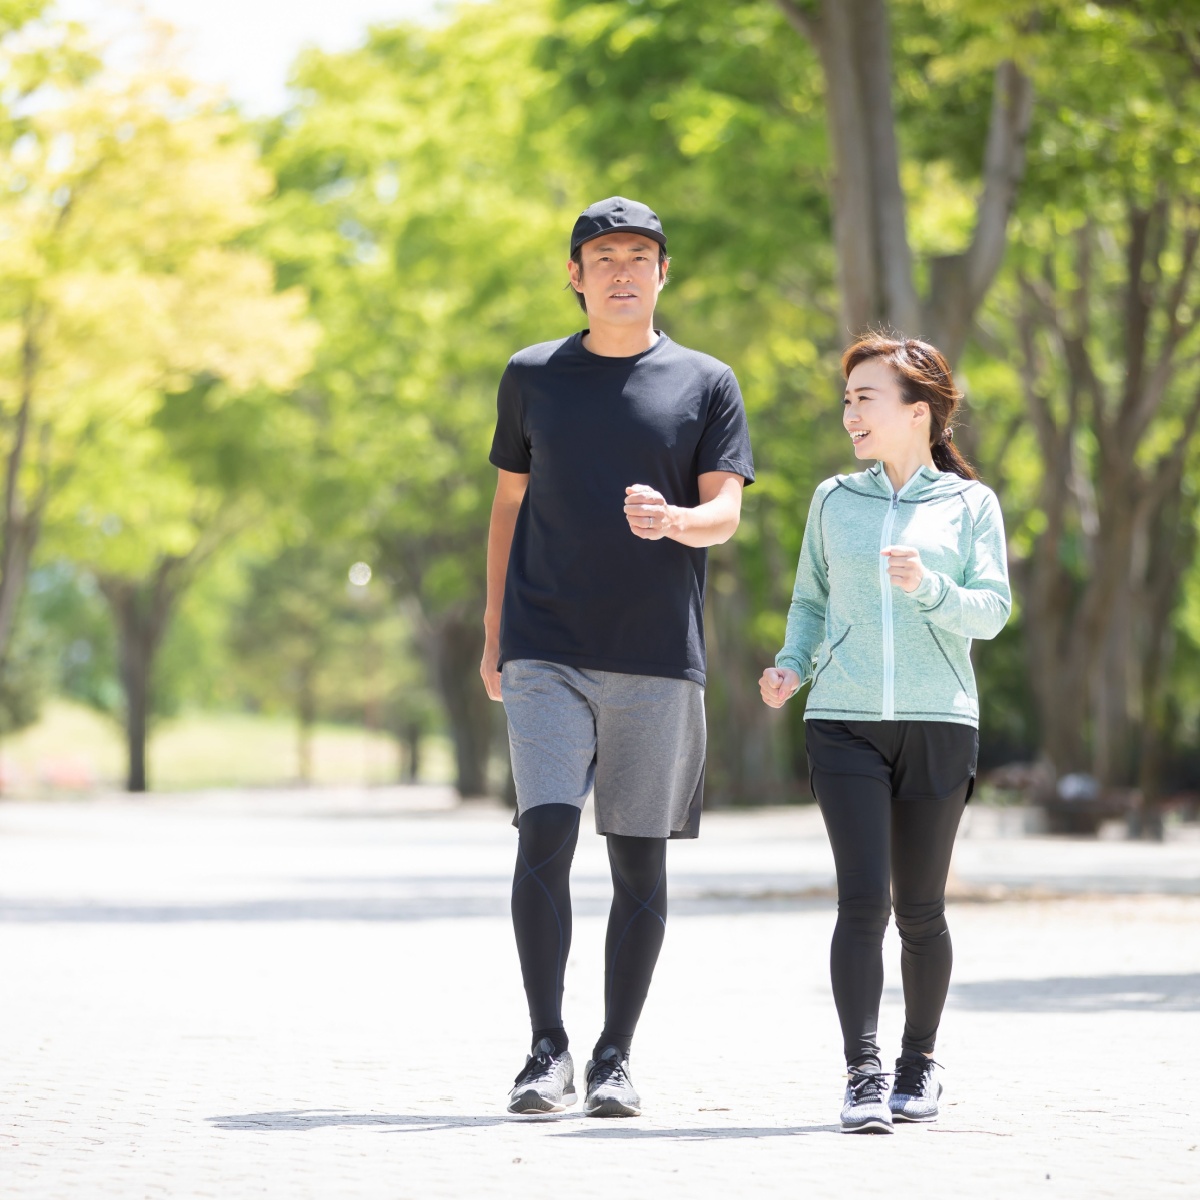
(142, 350)
(1106, 345)
(876, 278)
(640, 42)
(312, 641)
(37, 59)
(423, 180)
(207, 467)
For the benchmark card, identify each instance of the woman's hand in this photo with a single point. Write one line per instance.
(905, 568)
(778, 685)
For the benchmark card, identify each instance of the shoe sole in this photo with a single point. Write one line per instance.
(611, 1108)
(535, 1104)
(876, 1125)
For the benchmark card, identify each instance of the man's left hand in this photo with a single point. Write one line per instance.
(648, 513)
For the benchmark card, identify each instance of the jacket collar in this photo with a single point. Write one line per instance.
(926, 483)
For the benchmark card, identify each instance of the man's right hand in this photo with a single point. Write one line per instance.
(778, 685)
(488, 668)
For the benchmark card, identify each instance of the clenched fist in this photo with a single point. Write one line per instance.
(778, 685)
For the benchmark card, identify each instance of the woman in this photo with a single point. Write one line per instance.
(902, 566)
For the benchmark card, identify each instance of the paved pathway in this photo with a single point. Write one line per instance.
(316, 995)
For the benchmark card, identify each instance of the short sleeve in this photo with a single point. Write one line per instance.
(725, 442)
(510, 443)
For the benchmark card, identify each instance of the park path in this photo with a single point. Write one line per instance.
(316, 995)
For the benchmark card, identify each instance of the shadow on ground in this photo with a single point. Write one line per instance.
(1081, 994)
(698, 1133)
(301, 1119)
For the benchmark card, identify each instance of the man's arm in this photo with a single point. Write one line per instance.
(714, 520)
(510, 491)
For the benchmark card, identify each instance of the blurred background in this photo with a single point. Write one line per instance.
(262, 264)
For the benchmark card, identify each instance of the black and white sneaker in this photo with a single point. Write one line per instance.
(865, 1109)
(610, 1091)
(915, 1089)
(546, 1083)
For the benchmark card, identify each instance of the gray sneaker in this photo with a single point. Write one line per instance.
(916, 1089)
(610, 1091)
(864, 1109)
(546, 1083)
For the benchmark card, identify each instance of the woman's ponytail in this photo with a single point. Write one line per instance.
(947, 458)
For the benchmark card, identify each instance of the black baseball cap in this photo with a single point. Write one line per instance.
(616, 215)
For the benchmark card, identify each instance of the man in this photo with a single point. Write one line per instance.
(621, 456)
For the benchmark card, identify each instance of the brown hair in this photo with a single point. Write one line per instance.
(923, 374)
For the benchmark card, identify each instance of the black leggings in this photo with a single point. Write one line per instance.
(541, 910)
(892, 794)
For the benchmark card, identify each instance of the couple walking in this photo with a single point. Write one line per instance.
(621, 457)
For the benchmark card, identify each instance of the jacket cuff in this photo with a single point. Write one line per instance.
(929, 591)
(792, 663)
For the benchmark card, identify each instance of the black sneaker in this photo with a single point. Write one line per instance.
(610, 1091)
(546, 1084)
(916, 1089)
(865, 1109)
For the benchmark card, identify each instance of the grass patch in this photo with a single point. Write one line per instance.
(75, 749)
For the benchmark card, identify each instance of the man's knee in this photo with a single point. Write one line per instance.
(547, 834)
(638, 863)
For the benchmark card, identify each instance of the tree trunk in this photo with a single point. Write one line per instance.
(458, 648)
(21, 519)
(411, 741)
(306, 715)
(141, 611)
(875, 274)
(1102, 582)
(1171, 545)
(745, 738)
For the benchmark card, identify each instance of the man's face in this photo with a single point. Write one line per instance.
(620, 279)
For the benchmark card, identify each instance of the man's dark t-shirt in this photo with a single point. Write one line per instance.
(581, 588)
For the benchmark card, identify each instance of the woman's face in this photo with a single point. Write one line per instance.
(879, 423)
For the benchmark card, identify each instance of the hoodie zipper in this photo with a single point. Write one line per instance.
(885, 593)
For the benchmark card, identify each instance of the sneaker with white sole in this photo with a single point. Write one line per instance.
(915, 1089)
(546, 1084)
(610, 1091)
(864, 1107)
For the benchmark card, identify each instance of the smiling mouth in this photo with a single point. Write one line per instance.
(623, 296)
(858, 435)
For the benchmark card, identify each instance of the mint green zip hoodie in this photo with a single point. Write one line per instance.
(872, 651)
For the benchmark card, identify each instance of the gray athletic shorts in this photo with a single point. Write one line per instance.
(638, 739)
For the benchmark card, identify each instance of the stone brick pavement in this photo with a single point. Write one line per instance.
(316, 995)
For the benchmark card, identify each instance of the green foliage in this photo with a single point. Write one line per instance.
(26, 678)
(297, 342)
(419, 204)
(75, 623)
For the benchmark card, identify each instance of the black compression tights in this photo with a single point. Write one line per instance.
(541, 909)
(637, 923)
(886, 850)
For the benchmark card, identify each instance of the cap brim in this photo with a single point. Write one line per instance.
(652, 234)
